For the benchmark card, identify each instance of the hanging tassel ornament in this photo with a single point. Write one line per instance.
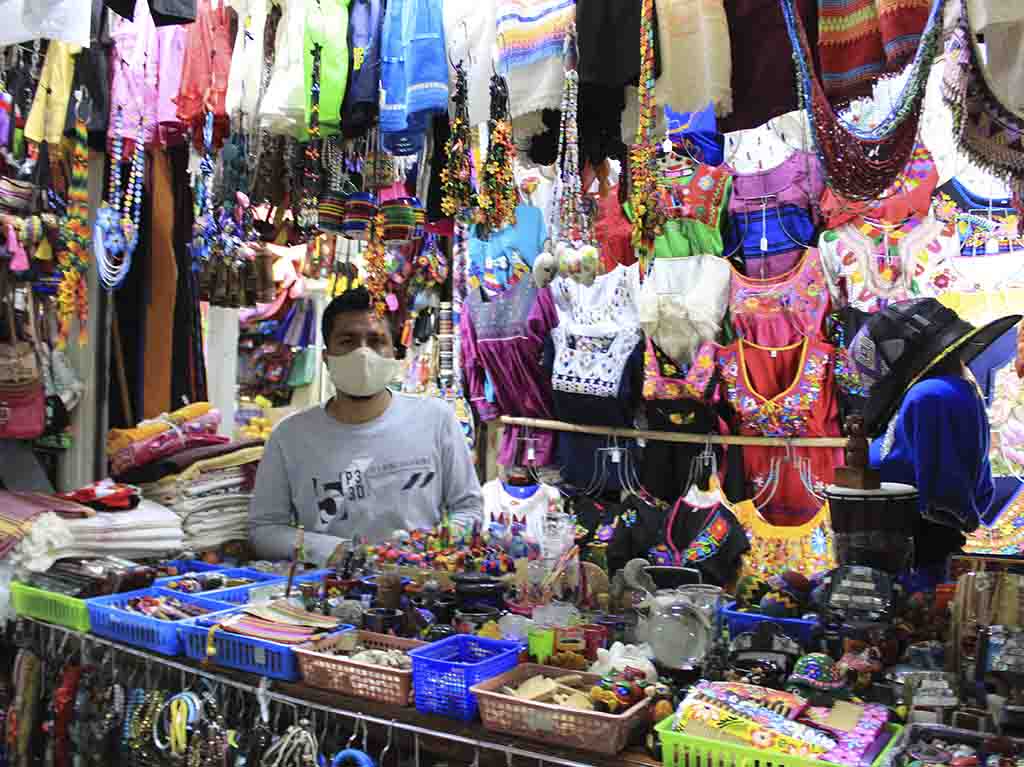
(643, 189)
(497, 199)
(457, 173)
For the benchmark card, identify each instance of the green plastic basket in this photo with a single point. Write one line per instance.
(31, 602)
(681, 750)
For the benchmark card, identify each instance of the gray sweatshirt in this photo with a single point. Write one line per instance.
(396, 472)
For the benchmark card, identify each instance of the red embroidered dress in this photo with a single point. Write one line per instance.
(786, 391)
(781, 310)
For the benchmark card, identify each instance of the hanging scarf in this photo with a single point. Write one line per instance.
(861, 164)
(73, 258)
(991, 135)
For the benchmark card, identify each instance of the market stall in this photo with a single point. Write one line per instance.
(586, 382)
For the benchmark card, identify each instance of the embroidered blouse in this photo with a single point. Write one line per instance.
(779, 392)
(808, 548)
(796, 181)
(869, 265)
(694, 204)
(709, 539)
(502, 340)
(683, 303)
(776, 391)
(977, 220)
(909, 195)
(613, 297)
(781, 310)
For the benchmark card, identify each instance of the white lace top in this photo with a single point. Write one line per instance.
(614, 297)
(683, 302)
(868, 266)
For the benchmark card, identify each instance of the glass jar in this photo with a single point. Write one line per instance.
(678, 632)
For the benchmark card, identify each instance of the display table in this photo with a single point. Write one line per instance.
(451, 739)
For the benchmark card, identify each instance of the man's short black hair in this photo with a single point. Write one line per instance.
(354, 300)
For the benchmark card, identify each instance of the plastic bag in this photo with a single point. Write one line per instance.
(64, 20)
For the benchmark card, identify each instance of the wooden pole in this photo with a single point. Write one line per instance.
(671, 436)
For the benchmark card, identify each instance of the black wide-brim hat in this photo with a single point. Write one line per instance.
(899, 345)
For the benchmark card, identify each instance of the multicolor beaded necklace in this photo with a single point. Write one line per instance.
(643, 188)
(457, 173)
(861, 164)
(309, 207)
(497, 198)
(73, 258)
(118, 219)
(573, 223)
(986, 131)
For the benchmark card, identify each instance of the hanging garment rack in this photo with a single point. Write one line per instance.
(671, 436)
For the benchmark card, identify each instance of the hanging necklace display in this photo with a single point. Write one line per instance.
(116, 232)
(991, 135)
(457, 173)
(375, 260)
(643, 191)
(497, 197)
(202, 192)
(308, 207)
(73, 257)
(861, 165)
(574, 254)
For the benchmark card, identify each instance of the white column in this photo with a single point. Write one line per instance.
(222, 364)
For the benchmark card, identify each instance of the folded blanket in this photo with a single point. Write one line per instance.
(118, 439)
(198, 432)
(177, 463)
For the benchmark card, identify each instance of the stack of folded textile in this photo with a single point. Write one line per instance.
(150, 530)
(192, 426)
(208, 487)
(20, 513)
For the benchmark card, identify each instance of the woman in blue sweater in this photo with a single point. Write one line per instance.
(927, 417)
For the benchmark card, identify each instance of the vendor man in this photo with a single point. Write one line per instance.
(367, 463)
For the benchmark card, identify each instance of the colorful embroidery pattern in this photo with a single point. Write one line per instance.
(708, 541)
(808, 548)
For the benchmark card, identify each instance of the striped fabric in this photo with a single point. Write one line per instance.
(859, 40)
(532, 30)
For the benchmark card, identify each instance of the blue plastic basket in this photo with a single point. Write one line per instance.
(444, 671)
(236, 595)
(192, 566)
(259, 656)
(241, 595)
(109, 620)
(795, 628)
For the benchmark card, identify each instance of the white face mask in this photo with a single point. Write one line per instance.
(362, 372)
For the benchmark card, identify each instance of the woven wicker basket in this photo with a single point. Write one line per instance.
(548, 723)
(340, 674)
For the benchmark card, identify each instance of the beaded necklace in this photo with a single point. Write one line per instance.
(119, 216)
(202, 196)
(861, 164)
(457, 173)
(572, 221)
(73, 258)
(643, 188)
(309, 208)
(985, 130)
(498, 196)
